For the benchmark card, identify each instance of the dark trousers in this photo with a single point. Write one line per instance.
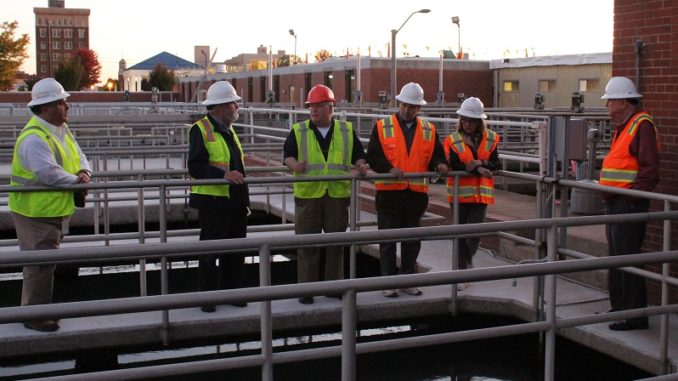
(314, 216)
(221, 224)
(627, 291)
(469, 213)
(400, 209)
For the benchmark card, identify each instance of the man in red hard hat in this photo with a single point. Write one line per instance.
(322, 146)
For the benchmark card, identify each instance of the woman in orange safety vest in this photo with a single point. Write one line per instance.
(472, 148)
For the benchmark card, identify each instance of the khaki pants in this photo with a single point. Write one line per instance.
(317, 215)
(38, 234)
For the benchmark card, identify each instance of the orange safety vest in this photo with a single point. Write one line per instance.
(395, 149)
(620, 168)
(475, 188)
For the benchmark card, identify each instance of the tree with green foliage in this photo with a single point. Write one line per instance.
(162, 78)
(12, 52)
(91, 67)
(70, 73)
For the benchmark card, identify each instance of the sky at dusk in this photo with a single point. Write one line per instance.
(490, 29)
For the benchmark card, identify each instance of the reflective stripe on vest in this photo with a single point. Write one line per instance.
(416, 160)
(219, 156)
(472, 188)
(338, 160)
(51, 203)
(620, 168)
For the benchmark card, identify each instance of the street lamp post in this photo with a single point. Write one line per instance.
(393, 53)
(455, 20)
(295, 44)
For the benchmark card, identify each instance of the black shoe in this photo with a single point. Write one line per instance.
(42, 326)
(627, 325)
(239, 304)
(605, 312)
(306, 300)
(208, 308)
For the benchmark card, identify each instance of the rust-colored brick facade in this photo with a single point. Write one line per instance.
(653, 24)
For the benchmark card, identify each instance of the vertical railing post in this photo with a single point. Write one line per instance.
(141, 221)
(266, 320)
(352, 215)
(664, 319)
(164, 276)
(348, 340)
(550, 296)
(455, 245)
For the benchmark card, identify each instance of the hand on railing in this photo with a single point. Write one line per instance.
(234, 176)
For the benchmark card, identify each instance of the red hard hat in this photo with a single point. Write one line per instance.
(320, 93)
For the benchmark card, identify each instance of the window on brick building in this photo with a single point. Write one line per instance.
(511, 86)
(81, 45)
(56, 32)
(68, 45)
(43, 32)
(81, 33)
(43, 68)
(43, 45)
(43, 56)
(589, 85)
(327, 79)
(56, 45)
(547, 85)
(68, 33)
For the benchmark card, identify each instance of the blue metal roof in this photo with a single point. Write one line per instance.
(170, 61)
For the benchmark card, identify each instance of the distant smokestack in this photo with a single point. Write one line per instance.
(57, 3)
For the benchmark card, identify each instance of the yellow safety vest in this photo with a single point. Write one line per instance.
(219, 156)
(43, 204)
(338, 160)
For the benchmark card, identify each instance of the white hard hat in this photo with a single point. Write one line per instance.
(219, 93)
(620, 88)
(47, 90)
(412, 94)
(472, 108)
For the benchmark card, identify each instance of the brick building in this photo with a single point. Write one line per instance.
(646, 50)
(59, 33)
(348, 77)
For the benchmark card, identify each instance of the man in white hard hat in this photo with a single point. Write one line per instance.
(403, 143)
(215, 153)
(322, 146)
(45, 153)
(632, 163)
(472, 148)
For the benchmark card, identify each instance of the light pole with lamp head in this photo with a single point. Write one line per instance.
(455, 20)
(295, 45)
(393, 53)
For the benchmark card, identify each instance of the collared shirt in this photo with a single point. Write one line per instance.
(37, 156)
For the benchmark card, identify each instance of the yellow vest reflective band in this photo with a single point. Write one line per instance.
(620, 168)
(473, 188)
(219, 156)
(43, 204)
(395, 150)
(338, 160)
